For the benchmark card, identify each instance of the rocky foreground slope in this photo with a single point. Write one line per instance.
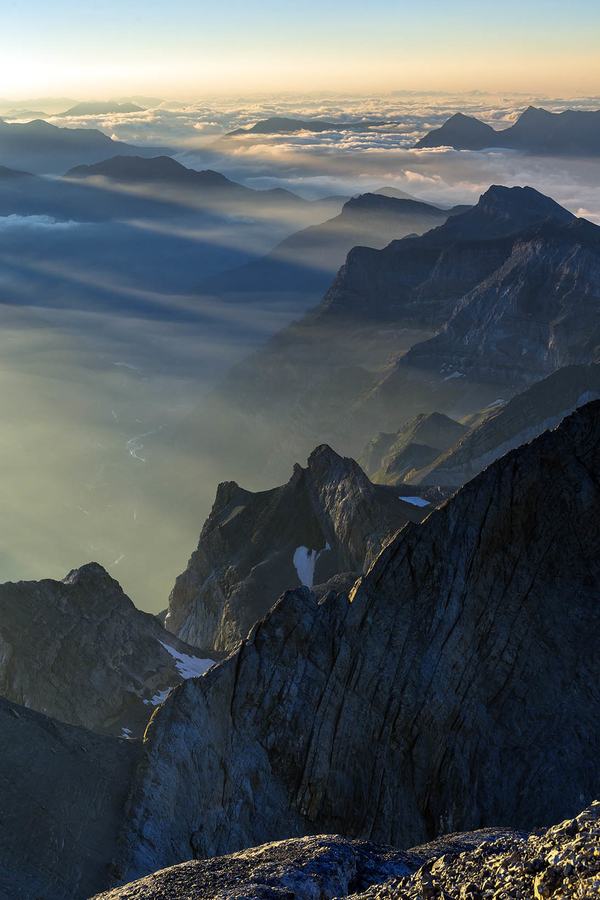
(562, 862)
(460, 681)
(327, 520)
(80, 651)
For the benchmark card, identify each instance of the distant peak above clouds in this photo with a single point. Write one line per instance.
(139, 169)
(279, 125)
(537, 132)
(101, 107)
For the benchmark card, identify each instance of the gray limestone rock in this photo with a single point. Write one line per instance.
(311, 868)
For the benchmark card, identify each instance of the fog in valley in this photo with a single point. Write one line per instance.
(119, 310)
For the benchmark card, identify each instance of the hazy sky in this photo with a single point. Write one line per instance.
(187, 48)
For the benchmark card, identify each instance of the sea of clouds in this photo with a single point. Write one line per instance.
(346, 162)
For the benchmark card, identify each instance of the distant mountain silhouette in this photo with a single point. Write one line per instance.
(279, 125)
(308, 260)
(101, 107)
(24, 114)
(536, 131)
(132, 169)
(169, 178)
(14, 174)
(41, 147)
(397, 194)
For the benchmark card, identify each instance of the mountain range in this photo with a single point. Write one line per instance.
(43, 148)
(321, 529)
(280, 125)
(536, 131)
(449, 322)
(308, 260)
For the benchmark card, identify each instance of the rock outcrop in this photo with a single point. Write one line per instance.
(323, 867)
(327, 520)
(63, 791)
(79, 651)
(458, 683)
(561, 862)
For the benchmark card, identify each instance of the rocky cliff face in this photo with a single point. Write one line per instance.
(63, 793)
(327, 520)
(563, 861)
(533, 315)
(80, 651)
(456, 685)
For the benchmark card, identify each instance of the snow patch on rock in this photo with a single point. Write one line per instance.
(416, 501)
(305, 561)
(188, 666)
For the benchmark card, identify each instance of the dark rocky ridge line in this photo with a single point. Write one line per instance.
(412, 455)
(461, 677)
(309, 259)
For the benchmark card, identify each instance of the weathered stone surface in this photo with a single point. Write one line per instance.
(311, 868)
(80, 651)
(563, 862)
(328, 519)
(460, 682)
(62, 793)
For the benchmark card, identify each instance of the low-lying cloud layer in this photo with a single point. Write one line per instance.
(348, 162)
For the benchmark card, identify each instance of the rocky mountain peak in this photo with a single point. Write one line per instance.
(327, 520)
(523, 203)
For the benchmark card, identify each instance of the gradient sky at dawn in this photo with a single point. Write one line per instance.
(182, 48)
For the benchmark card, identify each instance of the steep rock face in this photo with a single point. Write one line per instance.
(328, 519)
(390, 456)
(523, 418)
(533, 315)
(63, 791)
(460, 681)
(80, 651)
